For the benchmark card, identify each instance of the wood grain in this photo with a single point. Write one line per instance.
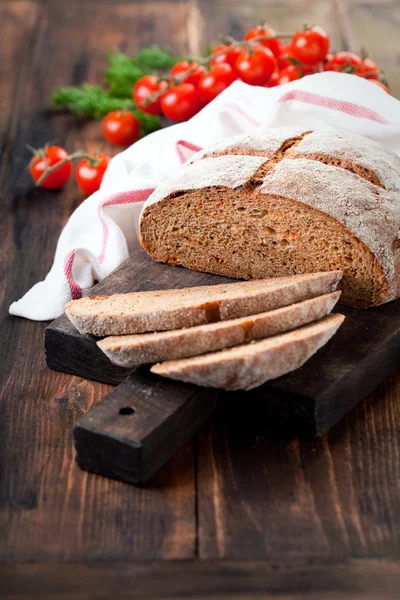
(14, 17)
(261, 495)
(222, 580)
(277, 497)
(140, 425)
(49, 509)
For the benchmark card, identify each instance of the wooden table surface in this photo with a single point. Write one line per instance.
(242, 510)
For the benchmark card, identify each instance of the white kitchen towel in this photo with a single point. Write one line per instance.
(103, 230)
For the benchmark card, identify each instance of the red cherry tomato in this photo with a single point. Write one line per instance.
(194, 70)
(289, 74)
(343, 61)
(181, 102)
(216, 81)
(309, 69)
(144, 88)
(225, 54)
(311, 45)
(256, 67)
(121, 128)
(381, 85)
(285, 57)
(48, 157)
(264, 31)
(273, 80)
(90, 177)
(368, 69)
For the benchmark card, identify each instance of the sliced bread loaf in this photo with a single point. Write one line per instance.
(162, 310)
(246, 367)
(134, 350)
(317, 201)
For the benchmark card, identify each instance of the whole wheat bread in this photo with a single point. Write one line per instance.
(246, 367)
(163, 310)
(134, 350)
(284, 201)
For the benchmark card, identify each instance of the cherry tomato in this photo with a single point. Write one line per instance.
(273, 80)
(368, 69)
(309, 69)
(121, 128)
(216, 81)
(144, 88)
(194, 70)
(343, 61)
(311, 45)
(90, 177)
(285, 57)
(225, 54)
(289, 74)
(48, 157)
(181, 102)
(381, 85)
(256, 66)
(264, 31)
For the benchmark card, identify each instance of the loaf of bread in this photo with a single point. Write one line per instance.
(134, 350)
(162, 310)
(285, 201)
(251, 365)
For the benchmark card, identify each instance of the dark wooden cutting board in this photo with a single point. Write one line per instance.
(137, 427)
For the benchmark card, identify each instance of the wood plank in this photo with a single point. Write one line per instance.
(140, 425)
(275, 497)
(14, 51)
(49, 508)
(376, 28)
(292, 580)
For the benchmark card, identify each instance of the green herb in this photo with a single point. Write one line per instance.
(155, 59)
(123, 72)
(93, 101)
(121, 75)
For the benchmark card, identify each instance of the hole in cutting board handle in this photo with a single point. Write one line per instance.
(126, 410)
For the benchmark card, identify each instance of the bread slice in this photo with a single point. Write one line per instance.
(162, 310)
(246, 367)
(134, 350)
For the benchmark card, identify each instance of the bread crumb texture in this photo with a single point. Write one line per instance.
(284, 201)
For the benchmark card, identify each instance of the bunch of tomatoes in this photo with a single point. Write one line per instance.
(51, 168)
(261, 58)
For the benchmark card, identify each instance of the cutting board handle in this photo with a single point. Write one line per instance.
(140, 425)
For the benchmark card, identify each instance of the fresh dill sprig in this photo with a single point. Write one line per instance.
(121, 75)
(95, 102)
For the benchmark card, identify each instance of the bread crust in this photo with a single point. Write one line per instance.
(133, 350)
(164, 310)
(249, 366)
(351, 179)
